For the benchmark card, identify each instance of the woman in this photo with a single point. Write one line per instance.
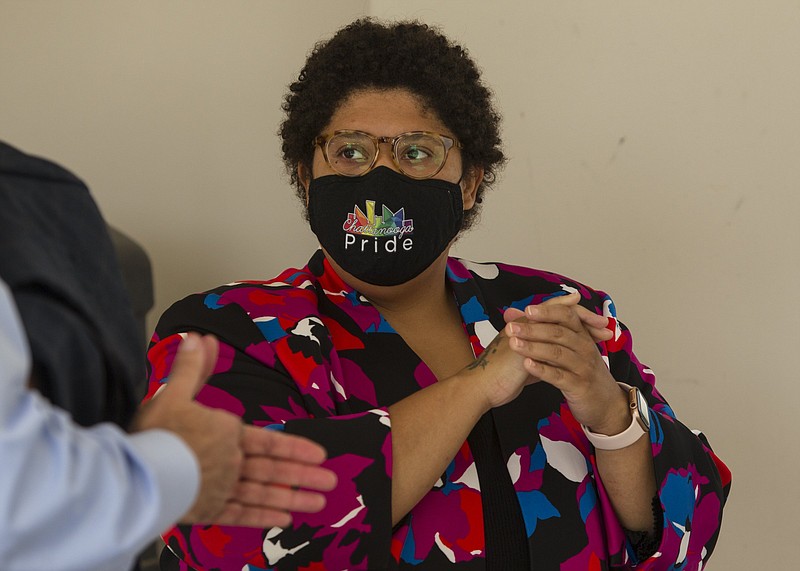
(474, 413)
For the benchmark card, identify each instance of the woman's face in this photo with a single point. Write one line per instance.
(387, 113)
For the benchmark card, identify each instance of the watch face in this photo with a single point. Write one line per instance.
(644, 410)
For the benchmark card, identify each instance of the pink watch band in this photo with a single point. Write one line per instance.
(622, 440)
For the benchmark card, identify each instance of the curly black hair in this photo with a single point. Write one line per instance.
(368, 54)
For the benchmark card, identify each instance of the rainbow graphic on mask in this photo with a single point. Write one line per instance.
(388, 224)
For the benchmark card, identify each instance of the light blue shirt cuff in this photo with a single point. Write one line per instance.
(174, 469)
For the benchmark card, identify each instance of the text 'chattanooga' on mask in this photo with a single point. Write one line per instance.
(384, 228)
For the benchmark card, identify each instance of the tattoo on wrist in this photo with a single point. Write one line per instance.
(483, 360)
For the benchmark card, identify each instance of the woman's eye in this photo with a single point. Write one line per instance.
(354, 153)
(416, 153)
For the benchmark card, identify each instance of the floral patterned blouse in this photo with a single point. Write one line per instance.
(307, 354)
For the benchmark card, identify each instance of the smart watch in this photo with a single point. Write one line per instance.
(640, 424)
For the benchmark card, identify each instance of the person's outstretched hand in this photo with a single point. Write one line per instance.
(249, 476)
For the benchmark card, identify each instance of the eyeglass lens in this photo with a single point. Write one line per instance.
(417, 155)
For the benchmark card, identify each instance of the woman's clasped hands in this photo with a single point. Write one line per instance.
(556, 342)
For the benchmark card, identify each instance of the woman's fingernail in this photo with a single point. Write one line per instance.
(190, 343)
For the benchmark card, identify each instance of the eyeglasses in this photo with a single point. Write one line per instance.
(418, 154)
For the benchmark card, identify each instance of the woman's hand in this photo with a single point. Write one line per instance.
(499, 372)
(595, 324)
(502, 366)
(557, 343)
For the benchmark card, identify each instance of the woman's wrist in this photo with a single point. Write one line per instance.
(618, 418)
(472, 386)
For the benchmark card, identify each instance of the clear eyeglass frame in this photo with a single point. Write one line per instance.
(439, 154)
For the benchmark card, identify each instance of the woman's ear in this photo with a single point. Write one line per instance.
(470, 182)
(304, 176)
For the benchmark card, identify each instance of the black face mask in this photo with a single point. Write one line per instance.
(384, 228)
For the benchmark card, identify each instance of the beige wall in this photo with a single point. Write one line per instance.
(169, 111)
(655, 154)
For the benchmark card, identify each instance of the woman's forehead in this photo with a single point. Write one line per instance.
(385, 112)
